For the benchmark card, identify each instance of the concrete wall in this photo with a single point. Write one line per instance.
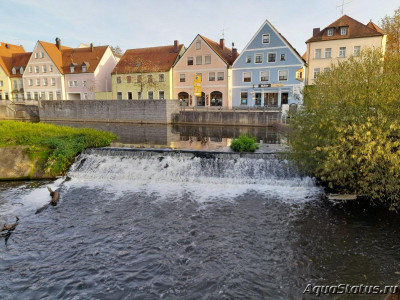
(246, 118)
(138, 111)
(18, 112)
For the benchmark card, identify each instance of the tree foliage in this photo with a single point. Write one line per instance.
(348, 132)
(244, 143)
(391, 25)
(116, 50)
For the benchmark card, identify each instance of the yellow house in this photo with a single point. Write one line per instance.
(7, 51)
(343, 38)
(146, 73)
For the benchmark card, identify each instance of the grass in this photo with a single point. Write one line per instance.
(244, 143)
(55, 146)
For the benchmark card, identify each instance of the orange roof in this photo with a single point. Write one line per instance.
(54, 53)
(375, 27)
(153, 59)
(355, 30)
(6, 52)
(224, 53)
(78, 56)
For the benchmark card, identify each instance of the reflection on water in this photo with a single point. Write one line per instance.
(181, 136)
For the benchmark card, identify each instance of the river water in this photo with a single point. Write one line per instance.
(133, 225)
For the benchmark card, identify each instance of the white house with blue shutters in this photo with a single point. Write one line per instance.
(268, 72)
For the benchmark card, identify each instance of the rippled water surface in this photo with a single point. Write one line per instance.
(188, 228)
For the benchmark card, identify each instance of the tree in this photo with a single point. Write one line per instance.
(391, 25)
(116, 50)
(348, 132)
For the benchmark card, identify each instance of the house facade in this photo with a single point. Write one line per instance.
(146, 73)
(343, 38)
(211, 63)
(9, 53)
(268, 73)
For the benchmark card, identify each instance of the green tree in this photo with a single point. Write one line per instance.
(391, 25)
(347, 133)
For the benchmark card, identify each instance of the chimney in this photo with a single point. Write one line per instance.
(176, 46)
(58, 43)
(315, 32)
(234, 54)
(222, 43)
(7, 46)
(91, 47)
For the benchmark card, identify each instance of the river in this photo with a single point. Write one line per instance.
(180, 226)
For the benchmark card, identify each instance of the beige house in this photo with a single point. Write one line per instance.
(338, 41)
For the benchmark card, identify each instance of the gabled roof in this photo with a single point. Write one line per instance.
(19, 60)
(54, 53)
(78, 56)
(6, 53)
(224, 53)
(355, 30)
(153, 59)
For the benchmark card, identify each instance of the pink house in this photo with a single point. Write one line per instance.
(212, 62)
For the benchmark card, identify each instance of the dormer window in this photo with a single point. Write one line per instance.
(329, 32)
(14, 70)
(21, 70)
(84, 69)
(343, 30)
(72, 68)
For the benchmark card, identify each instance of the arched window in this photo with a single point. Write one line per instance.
(183, 98)
(216, 98)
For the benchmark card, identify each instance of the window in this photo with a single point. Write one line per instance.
(271, 57)
(329, 32)
(161, 95)
(72, 68)
(1, 83)
(342, 52)
(265, 38)
(84, 69)
(220, 76)
(119, 95)
(199, 60)
(328, 52)
(161, 77)
(21, 84)
(248, 59)
(15, 84)
(84, 83)
(246, 76)
(343, 30)
(207, 59)
(44, 69)
(128, 79)
(37, 55)
(45, 82)
(357, 50)
(37, 82)
(182, 78)
(41, 54)
(258, 58)
(51, 96)
(198, 45)
(70, 83)
(129, 95)
(53, 81)
(36, 69)
(118, 79)
(317, 53)
(85, 96)
(264, 76)
(150, 95)
(139, 95)
(14, 70)
(327, 69)
(28, 96)
(258, 99)
(51, 68)
(211, 76)
(58, 95)
(21, 70)
(42, 96)
(6, 96)
(190, 61)
(138, 78)
(243, 98)
(36, 95)
(75, 83)
(283, 57)
(316, 72)
(30, 69)
(283, 75)
(30, 82)
(150, 78)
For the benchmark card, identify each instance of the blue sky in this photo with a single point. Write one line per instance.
(145, 23)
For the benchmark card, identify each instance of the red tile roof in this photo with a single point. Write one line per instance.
(19, 60)
(78, 56)
(355, 30)
(224, 53)
(153, 59)
(6, 53)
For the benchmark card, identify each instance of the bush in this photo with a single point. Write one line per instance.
(56, 145)
(244, 143)
(348, 132)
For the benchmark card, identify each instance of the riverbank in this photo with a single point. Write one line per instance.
(42, 151)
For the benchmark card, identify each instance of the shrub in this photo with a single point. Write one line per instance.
(244, 143)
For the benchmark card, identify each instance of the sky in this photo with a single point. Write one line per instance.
(146, 23)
